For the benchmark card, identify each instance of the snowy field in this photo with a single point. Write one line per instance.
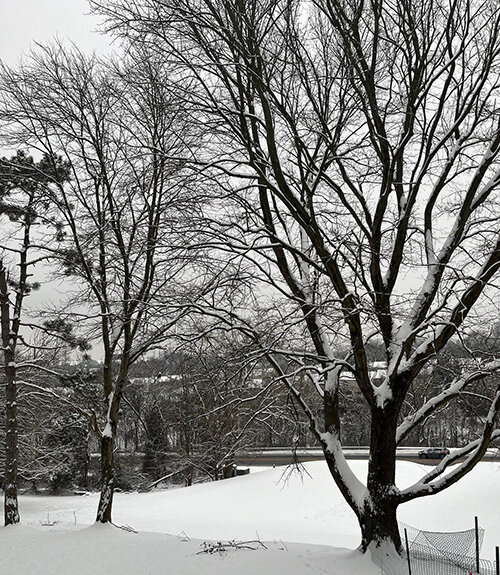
(303, 520)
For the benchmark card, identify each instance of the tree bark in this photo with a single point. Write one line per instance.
(107, 480)
(379, 525)
(107, 450)
(378, 520)
(11, 507)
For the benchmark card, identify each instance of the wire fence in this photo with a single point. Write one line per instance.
(438, 553)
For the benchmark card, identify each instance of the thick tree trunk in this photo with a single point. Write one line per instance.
(378, 521)
(379, 526)
(377, 515)
(107, 479)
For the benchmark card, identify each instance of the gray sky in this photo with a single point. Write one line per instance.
(26, 21)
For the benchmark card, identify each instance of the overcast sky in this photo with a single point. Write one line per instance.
(26, 21)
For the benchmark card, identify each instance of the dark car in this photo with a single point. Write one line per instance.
(433, 453)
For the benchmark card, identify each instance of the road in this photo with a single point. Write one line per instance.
(283, 456)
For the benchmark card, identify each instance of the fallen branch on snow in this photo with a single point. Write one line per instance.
(210, 547)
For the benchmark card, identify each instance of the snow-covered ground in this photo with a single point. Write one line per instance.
(306, 525)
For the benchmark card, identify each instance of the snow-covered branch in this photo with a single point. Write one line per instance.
(453, 390)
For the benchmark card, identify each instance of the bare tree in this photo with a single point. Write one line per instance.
(366, 140)
(123, 217)
(211, 407)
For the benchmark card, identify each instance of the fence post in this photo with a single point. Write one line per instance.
(477, 543)
(408, 552)
(497, 560)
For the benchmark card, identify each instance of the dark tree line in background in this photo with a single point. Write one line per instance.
(293, 206)
(183, 418)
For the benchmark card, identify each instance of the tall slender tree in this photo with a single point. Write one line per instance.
(23, 201)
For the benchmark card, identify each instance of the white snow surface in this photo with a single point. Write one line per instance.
(307, 526)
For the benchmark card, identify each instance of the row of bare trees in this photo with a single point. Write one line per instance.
(118, 215)
(313, 176)
(120, 206)
(361, 142)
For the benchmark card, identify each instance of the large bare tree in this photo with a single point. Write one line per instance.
(122, 219)
(362, 142)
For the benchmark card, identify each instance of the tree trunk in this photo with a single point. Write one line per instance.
(378, 521)
(107, 448)
(107, 480)
(11, 507)
(379, 527)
